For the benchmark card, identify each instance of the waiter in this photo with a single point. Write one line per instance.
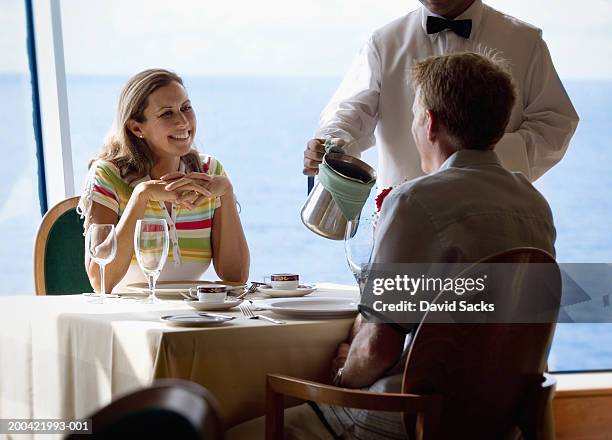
(376, 93)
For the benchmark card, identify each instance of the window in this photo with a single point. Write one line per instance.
(248, 67)
(19, 205)
(576, 188)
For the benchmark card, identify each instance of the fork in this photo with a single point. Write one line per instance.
(252, 289)
(248, 313)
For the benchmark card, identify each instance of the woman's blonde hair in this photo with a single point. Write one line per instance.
(125, 150)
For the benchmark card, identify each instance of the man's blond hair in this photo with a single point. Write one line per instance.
(472, 96)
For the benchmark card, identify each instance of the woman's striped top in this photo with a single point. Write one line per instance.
(189, 239)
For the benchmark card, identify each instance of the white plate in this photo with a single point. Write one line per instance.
(229, 303)
(311, 307)
(302, 290)
(175, 289)
(191, 320)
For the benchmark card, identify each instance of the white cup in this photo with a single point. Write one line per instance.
(210, 293)
(283, 281)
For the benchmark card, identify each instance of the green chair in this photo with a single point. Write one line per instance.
(59, 252)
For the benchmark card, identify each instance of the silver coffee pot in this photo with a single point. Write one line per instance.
(320, 213)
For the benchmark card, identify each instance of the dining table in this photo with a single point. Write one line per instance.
(66, 356)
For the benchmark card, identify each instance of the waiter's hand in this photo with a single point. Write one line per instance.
(313, 156)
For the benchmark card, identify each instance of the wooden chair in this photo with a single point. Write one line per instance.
(466, 380)
(59, 252)
(171, 408)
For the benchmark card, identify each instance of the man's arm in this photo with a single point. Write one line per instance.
(404, 234)
(549, 120)
(374, 350)
(352, 113)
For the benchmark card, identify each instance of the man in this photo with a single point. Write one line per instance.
(467, 207)
(375, 94)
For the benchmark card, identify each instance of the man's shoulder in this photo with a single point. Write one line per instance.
(399, 24)
(484, 184)
(414, 190)
(425, 184)
(497, 17)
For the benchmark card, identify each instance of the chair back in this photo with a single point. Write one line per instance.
(170, 408)
(485, 371)
(59, 252)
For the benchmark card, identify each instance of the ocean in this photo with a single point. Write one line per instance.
(258, 128)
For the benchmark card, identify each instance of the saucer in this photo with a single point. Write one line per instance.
(179, 289)
(194, 320)
(229, 303)
(302, 290)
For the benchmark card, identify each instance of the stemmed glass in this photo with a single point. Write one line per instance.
(358, 246)
(151, 243)
(101, 247)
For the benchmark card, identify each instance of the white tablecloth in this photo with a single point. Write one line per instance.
(65, 357)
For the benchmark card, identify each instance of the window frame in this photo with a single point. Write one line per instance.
(53, 100)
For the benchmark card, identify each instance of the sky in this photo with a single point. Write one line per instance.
(277, 37)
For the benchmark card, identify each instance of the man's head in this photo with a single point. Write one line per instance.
(447, 8)
(462, 101)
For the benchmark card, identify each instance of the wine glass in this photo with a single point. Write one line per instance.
(358, 246)
(101, 247)
(151, 248)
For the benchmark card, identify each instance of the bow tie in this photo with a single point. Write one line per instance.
(463, 28)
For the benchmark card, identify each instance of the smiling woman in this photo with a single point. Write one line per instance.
(148, 169)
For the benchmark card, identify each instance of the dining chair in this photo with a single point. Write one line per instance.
(59, 252)
(170, 408)
(461, 380)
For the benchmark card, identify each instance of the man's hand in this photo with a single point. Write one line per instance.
(313, 156)
(375, 348)
(341, 355)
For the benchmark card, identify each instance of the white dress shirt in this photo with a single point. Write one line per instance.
(376, 93)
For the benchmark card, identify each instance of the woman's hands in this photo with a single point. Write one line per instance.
(156, 190)
(194, 188)
(186, 190)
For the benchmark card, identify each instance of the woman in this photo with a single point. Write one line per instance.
(148, 168)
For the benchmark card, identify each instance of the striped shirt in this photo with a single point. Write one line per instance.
(190, 251)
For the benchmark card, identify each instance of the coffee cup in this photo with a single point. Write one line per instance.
(210, 293)
(283, 281)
